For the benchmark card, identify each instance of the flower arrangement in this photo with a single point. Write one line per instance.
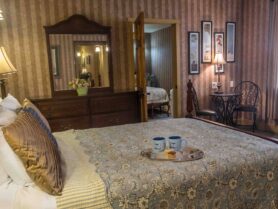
(78, 83)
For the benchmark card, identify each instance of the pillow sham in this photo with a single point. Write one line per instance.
(39, 155)
(12, 165)
(31, 108)
(11, 103)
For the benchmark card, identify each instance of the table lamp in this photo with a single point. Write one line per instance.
(6, 67)
(218, 60)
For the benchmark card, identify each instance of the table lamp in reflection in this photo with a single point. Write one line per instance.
(6, 68)
(218, 61)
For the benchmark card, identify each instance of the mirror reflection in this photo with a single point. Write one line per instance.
(79, 56)
(91, 62)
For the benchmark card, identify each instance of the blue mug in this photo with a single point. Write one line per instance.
(159, 144)
(175, 143)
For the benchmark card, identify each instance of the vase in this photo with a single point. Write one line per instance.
(82, 91)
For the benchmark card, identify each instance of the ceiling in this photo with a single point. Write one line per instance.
(150, 28)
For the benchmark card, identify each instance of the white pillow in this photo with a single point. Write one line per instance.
(12, 164)
(11, 103)
(3, 175)
(6, 116)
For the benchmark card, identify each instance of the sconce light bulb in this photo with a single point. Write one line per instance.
(78, 54)
(97, 49)
(107, 48)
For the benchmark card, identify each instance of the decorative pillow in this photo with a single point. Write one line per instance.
(6, 116)
(11, 103)
(12, 164)
(39, 155)
(30, 107)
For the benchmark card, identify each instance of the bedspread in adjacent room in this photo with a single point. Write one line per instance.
(156, 95)
(238, 170)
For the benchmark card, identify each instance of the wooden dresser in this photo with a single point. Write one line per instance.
(83, 112)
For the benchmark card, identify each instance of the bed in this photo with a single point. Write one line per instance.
(157, 98)
(104, 169)
(238, 170)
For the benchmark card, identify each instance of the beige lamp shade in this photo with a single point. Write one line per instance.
(219, 59)
(6, 67)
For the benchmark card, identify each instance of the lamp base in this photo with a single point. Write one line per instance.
(219, 88)
(3, 87)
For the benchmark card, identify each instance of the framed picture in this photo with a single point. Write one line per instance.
(194, 52)
(230, 41)
(206, 42)
(219, 49)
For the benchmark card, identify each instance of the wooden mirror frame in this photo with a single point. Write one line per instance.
(79, 24)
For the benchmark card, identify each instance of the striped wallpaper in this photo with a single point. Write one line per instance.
(148, 56)
(255, 46)
(161, 58)
(22, 34)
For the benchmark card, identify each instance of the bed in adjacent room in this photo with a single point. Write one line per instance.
(157, 98)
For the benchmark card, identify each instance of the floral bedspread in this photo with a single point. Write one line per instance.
(238, 171)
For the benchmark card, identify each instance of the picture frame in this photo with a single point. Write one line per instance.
(219, 49)
(206, 46)
(193, 53)
(230, 41)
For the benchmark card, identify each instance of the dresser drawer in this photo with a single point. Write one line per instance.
(111, 119)
(113, 104)
(60, 109)
(69, 123)
(96, 110)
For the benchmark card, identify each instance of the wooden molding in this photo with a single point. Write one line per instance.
(77, 24)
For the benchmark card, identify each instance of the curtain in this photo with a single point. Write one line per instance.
(272, 84)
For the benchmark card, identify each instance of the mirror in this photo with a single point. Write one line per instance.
(91, 62)
(79, 48)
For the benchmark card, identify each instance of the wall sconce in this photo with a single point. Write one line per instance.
(78, 54)
(97, 49)
(107, 48)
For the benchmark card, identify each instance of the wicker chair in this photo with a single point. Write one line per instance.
(202, 112)
(248, 101)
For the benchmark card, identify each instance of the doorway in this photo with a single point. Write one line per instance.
(160, 63)
(159, 70)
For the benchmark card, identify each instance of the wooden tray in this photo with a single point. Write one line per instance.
(186, 154)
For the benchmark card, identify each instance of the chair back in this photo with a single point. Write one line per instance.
(195, 100)
(249, 93)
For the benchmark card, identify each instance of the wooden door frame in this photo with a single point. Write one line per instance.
(177, 100)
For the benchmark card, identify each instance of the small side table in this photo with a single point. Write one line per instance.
(224, 105)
